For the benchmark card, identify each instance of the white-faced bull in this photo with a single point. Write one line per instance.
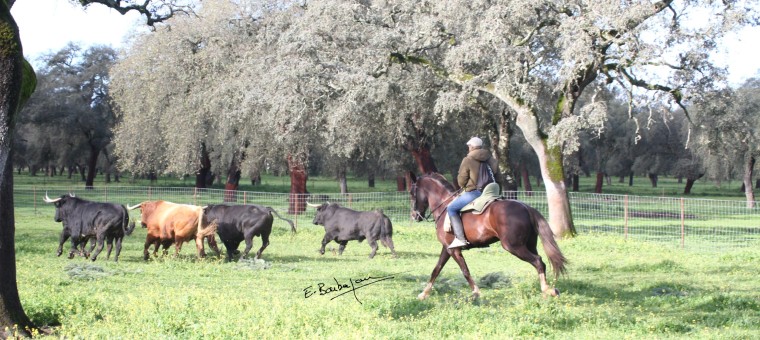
(236, 223)
(83, 219)
(343, 225)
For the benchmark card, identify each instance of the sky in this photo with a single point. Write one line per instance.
(38, 21)
(48, 25)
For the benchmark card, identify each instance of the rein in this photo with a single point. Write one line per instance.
(427, 218)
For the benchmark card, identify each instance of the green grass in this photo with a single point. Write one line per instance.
(615, 289)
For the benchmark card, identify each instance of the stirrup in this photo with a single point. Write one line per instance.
(457, 243)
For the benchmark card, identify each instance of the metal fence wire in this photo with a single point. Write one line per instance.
(682, 222)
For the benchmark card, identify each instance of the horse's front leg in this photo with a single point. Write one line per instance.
(437, 270)
(457, 254)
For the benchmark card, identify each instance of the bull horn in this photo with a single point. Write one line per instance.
(135, 207)
(312, 205)
(72, 195)
(50, 200)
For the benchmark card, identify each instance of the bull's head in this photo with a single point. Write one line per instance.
(319, 217)
(146, 208)
(60, 206)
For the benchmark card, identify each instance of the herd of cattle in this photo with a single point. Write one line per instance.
(170, 223)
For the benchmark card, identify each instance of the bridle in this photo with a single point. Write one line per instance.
(427, 218)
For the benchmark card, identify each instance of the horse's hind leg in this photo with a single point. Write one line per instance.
(457, 255)
(531, 256)
(437, 270)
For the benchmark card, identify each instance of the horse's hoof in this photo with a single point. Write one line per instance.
(422, 296)
(551, 292)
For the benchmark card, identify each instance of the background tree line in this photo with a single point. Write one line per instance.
(242, 88)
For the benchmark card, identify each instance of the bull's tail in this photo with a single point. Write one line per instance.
(209, 230)
(551, 248)
(386, 232)
(292, 226)
(127, 226)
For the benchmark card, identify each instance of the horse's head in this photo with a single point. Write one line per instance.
(419, 198)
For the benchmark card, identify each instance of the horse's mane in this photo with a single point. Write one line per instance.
(441, 180)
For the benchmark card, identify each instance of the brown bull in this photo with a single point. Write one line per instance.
(170, 223)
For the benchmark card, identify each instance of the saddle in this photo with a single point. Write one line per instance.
(489, 195)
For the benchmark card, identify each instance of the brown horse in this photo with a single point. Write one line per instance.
(514, 223)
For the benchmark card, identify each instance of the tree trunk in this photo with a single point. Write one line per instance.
(506, 173)
(454, 181)
(599, 183)
(11, 81)
(82, 174)
(689, 185)
(550, 161)
(630, 179)
(92, 163)
(298, 178)
(423, 158)
(576, 179)
(749, 165)
(525, 178)
(342, 181)
(653, 179)
(400, 182)
(371, 179)
(757, 184)
(202, 175)
(233, 181)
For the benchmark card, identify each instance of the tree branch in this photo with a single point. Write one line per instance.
(155, 13)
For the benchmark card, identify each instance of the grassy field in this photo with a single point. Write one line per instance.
(615, 289)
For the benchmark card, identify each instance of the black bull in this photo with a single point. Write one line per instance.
(84, 219)
(343, 225)
(236, 223)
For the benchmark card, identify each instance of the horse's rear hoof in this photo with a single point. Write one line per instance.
(551, 292)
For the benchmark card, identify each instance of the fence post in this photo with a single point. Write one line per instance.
(245, 198)
(34, 196)
(625, 209)
(683, 233)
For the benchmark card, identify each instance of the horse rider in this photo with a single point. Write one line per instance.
(467, 179)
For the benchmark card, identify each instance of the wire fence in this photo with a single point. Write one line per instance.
(682, 222)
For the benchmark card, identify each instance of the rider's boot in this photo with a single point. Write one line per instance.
(458, 227)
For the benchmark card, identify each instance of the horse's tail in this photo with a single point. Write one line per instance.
(550, 245)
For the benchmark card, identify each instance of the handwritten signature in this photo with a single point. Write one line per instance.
(344, 288)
